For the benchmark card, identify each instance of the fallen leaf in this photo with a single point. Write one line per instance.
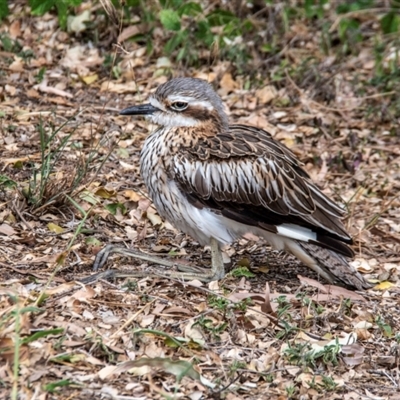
(89, 79)
(7, 230)
(54, 228)
(384, 285)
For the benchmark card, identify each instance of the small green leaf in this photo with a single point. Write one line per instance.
(190, 9)
(51, 387)
(62, 10)
(170, 20)
(242, 271)
(40, 7)
(390, 23)
(92, 241)
(42, 334)
(6, 182)
(112, 208)
(4, 11)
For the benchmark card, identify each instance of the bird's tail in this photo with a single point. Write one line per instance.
(332, 266)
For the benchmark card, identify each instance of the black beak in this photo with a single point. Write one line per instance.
(143, 109)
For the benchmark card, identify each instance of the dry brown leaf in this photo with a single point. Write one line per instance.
(7, 230)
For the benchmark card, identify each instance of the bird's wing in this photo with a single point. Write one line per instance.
(247, 176)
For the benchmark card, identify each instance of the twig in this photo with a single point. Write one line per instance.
(26, 223)
(358, 12)
(132, 318)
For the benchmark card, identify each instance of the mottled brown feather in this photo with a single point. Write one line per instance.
(245, 161)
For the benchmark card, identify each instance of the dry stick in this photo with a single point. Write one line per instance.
(358, 12)
(26, 223)
(132, 318)
(384, 373)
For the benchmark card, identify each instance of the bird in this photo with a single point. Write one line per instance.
(217, 181)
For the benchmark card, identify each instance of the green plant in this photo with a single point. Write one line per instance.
(384, 327)
(235, 366)
(242, 271)
(284, 317)
(290, 390)
(218, 302)
(300, 354)
(303, 354)
(4, 11)
(209, 325)
(195, 32)
(283, 307)
(7, 183)
(46, 186)
(328, 383)
(40, 7)
(43, 187)
(309, 303)
(53, 386)
(10, 45)
(13, 317)
(40, 75)
(315, 9)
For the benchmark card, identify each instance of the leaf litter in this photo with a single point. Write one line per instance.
(155, 338)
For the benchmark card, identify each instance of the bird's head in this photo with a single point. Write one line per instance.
(187, 102)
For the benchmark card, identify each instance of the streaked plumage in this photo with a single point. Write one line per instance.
(215, 180)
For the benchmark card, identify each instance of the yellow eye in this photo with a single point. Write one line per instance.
(179, 105)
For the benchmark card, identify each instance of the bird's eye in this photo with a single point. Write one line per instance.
(179, 105)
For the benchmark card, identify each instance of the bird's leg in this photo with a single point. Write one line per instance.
(216, 272)
(217, 261)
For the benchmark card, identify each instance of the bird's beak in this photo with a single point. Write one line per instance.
(143, 109)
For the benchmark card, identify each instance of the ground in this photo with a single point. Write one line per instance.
(70, 184)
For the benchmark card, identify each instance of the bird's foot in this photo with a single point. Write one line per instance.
(185, 272)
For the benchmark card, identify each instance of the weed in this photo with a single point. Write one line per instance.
(7, 183)
(384, 327)
(310, 304)
(235, 366)
(218, 302)
(242, 272)
(131, 285)
(98, 348)
(328, 383)
(303, 354)
(243, 304)
(9, 45)
(40, 7)
(47, 187)
(15, 317)
(53, 386)
(300, 354)
(40, 75)
(284, 317)
(283, 307)
(208, 325)
(290, 390)
(223, 304)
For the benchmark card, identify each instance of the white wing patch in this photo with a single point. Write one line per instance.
(296, 232)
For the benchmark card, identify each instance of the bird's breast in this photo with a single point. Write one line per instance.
(156, 166)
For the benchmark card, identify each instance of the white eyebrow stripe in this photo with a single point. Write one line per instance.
(192, 101)
(155, 103)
